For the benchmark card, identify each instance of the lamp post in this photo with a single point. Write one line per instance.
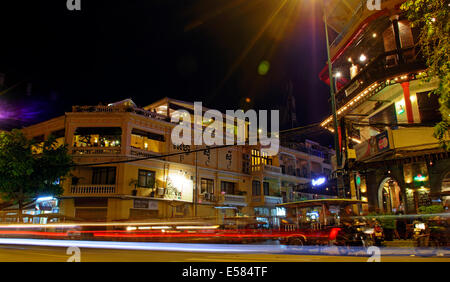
(333, 101)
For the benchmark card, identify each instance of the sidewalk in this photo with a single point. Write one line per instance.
(397, 243)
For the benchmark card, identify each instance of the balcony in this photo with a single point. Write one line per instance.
(142, 153)
(93, 189)
(267, 200)
(118, 109)
(237, 200)
(256, 169)
(208, 198)
(378, 70)
(397, 143)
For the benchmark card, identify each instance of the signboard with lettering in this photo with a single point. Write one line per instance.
(373, 146)
(145, 204)
(352, 88)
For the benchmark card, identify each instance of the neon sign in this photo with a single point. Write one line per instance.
(419, 178)
(318, 181)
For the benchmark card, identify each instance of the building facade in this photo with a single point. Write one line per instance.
(127, 167)
(385, 111)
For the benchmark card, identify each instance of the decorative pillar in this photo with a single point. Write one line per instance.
(408, 106)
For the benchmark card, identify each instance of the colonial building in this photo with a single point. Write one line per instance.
(386, 115)
(128, 168)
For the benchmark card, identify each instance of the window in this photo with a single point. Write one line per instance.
(145, 140)
(266, 188)
(256, 188)
(260, 158)
(428, 107)
(207, 186)
(97, 137)
(227, 187)
(104, 175)
(146, 178)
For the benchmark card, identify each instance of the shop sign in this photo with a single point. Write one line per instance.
(373, 146)
(382, 141)
(352, 88)
(46, 204)
(145, 204)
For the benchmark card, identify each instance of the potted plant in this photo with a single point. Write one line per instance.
(135, 183)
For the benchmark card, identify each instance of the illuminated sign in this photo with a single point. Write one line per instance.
(358, 180)
(47, 204)
(419, 178)
(280, 211)
(314, 215)
(318, 181)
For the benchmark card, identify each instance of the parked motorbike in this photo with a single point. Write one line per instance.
(378, 235)
(355, 234)
(420, 234)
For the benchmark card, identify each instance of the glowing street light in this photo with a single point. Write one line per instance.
(362, 58)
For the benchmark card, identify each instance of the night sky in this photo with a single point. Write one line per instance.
(204, 50)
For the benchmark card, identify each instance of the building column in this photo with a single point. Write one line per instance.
(398, 43)
(408, 106)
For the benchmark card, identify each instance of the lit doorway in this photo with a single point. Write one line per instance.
(390, 196)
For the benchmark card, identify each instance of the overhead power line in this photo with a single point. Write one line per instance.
(155, 156)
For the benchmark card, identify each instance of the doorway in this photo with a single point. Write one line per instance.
(390, 196)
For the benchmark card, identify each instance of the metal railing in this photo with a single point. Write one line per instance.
(273, 200)
(241, 199)
(265, 167)
(267, 199)
(93, 189)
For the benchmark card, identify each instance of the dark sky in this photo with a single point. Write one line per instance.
(203, 50)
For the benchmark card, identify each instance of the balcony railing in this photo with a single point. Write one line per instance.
(208, 197)
(378, 70)
(273, 200)
(234, 199)
(270, 200)
(92, 189)
(142, 153)
(96, 150)
(118, 109)
(264, 167)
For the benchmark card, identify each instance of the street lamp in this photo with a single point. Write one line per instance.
(362, 58)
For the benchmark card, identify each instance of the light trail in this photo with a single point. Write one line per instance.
(72, 225)
(230, 248)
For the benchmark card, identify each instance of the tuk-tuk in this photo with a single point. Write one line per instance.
(325, 222)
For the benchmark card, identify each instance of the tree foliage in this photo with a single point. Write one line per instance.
(29, 168)
(433, 18)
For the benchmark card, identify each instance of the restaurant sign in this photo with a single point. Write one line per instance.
(373, 146)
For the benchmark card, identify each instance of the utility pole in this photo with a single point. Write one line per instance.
(332, 95)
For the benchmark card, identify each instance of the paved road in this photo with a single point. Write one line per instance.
(22, 253)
